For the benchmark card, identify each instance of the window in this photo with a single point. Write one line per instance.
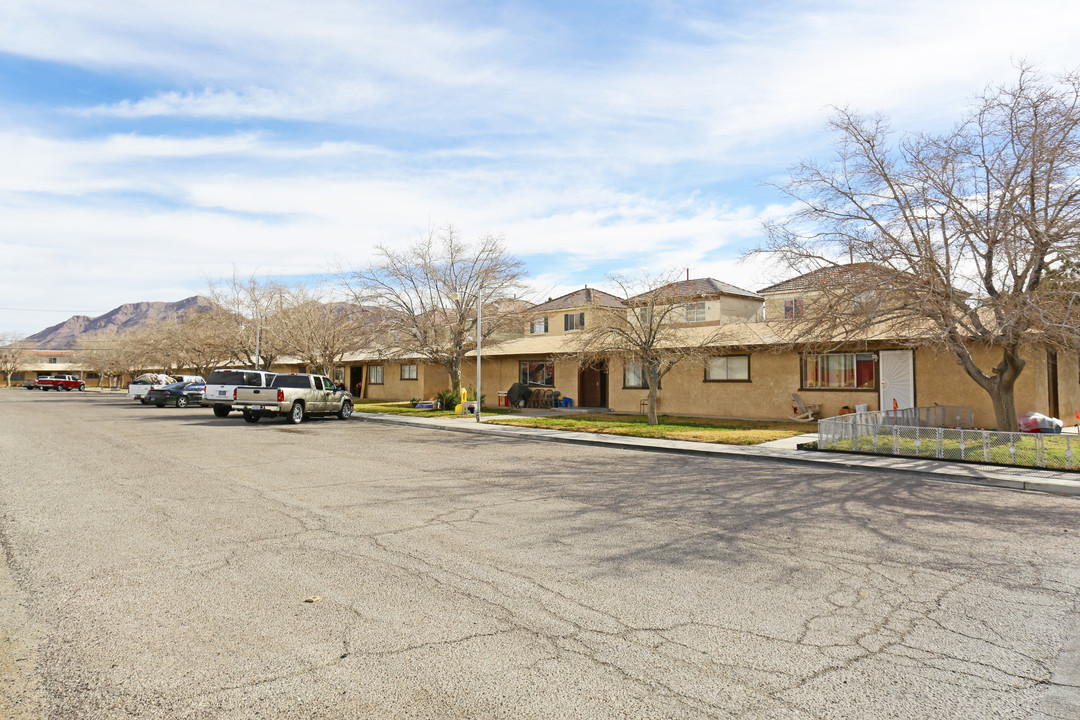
(537, 373)
(695, 312)
(52, 361)
(318, 383)
(793, 308)
(408, 372)
(574, 321)
(633, 377)
(539, 325)
(730, 368)
(854, 371)
(374, 374)
(339, 375)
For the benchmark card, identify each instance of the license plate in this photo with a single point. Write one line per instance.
(254, 407)
(221, 392)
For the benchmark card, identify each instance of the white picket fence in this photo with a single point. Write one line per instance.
(944, 432)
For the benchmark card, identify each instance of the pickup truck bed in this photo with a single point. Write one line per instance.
(295, 396)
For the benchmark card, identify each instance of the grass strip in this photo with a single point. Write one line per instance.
(710, 430)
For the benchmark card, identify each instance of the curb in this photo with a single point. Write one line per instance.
(941, 471)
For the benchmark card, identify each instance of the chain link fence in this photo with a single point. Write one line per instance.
(945, 432)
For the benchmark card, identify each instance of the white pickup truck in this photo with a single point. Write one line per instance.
(295, 396)
(222, 385)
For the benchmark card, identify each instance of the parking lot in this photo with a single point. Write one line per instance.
(164, 563)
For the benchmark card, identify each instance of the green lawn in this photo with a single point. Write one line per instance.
(1057, 452)
(406, 408)
(726, 432)
(712, 430)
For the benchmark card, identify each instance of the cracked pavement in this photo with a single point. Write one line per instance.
(157, 561)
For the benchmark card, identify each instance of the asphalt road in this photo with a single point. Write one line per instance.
(157, 562)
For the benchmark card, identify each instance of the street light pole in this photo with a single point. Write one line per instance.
(258, 333)
(479, 334)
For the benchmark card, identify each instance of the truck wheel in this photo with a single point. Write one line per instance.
(181, 402)
(159, 404)
(346, 411)
(144, 401)
(296, 413)
(221, 411)
(251, 417)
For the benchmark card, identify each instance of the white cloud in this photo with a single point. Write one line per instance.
(642, 146)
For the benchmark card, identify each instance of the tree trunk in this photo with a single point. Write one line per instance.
(453, 367)
(1000, 386)
(653, 379)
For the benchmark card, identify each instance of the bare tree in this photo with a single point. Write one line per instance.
(248, 315)
(13, 354)
(650, 333)
(201, 340)
(429, 294)
(323, 333)
(116, 356)
(955, 233)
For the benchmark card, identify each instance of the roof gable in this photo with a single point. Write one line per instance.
(580, 298)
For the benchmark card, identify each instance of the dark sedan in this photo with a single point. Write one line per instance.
(180, 394)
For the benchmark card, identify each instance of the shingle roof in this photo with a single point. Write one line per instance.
(704, 287)
(816, 278)
(580, 298)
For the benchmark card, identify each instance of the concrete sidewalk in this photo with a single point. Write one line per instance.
(783, 451)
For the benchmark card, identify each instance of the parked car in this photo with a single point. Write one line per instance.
(140, 386)
(296, 396)
(222, 385)
(181, 394)
(56, 382)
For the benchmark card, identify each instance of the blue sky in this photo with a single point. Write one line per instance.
(146, 148)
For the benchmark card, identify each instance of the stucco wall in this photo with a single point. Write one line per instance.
(430, 379)
(500, 373)
(773, 378)
(1069, 386)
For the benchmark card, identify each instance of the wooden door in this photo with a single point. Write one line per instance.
(592, 386)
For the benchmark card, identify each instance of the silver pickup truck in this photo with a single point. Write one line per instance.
(295, 396)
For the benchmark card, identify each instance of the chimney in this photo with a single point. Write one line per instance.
(687, 274)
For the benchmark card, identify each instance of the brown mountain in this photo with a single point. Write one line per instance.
(127, 317)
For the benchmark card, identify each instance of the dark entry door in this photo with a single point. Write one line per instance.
(356, 379)
(592, 386)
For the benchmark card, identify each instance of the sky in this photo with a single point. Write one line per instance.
(148, 149)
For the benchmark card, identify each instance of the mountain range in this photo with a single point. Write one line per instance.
(127, 317)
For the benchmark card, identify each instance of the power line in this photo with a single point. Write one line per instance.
(14, 309)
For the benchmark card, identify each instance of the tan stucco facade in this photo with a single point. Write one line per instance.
(774, 376)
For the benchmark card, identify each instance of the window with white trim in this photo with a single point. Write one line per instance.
(695, 312)
(538, 326)
(409, 371)
(375, 374)
(574, 321)
(633, 374)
